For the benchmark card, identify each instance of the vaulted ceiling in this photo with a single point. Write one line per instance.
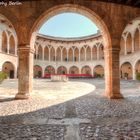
(134, 3)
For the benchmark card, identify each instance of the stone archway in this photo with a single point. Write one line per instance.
(62, 70)
(74, 70)
(37, 71)
(49, 70)
(126, 71)
(112, 89)
(98, 71)
(86, 70)
(136, 70)
(9, 69)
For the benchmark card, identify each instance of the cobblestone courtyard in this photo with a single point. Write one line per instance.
(74, 110)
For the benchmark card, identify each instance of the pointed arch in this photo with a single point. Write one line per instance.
(12, 45)
(76, 54)
(82, 54)
(136, 40)
(46, 53)
(40, 52)
(58, 54)
(122, 46)
(88, 53)
(64, 52)
(4, 41)
(94, 52)
(129, 43)
(70, 54)
(101, 51)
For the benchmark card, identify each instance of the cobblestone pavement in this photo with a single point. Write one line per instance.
(74, 110)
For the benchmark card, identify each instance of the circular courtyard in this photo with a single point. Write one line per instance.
(76, 109)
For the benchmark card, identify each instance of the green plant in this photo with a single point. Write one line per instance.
(3, 76)
(138, 76)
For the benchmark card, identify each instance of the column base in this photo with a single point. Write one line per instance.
(114, 95)
(22, 96)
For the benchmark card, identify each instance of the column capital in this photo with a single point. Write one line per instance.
(112, 49)
(26, 48)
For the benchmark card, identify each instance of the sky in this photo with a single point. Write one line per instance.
(68, 25)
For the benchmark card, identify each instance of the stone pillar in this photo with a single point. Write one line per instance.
(133, 48)
(61, 55)
(112, 73)
(67, 55)
(49, 54)
(125, 47)
(8, 45)
(15, 73)
(55, 54)
(43, 71)
(73, 52)
(25, 77)
(85, 54)
(134, 73)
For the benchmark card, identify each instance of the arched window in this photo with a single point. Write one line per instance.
(12, 45)
(122, 46)
(4, 42)
(129, 44)
(136, 40)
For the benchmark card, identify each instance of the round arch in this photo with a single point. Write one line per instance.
(137, 67)
(86, 70)
(126, 71)
(9, 68)
(49, 70)
(37, 71)
(62, 70)
(74, 70)
(71, 8)
(98, 71)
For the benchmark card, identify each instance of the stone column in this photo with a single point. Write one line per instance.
(134, 73)
(112, 73)
(43, 71)
(15, 73)
(61, 54)
(67, 55)
(133, 48)
(125, 49)
(8, 45)
(73, 52)
(25, 77)
(49, 54)
(55, 54)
